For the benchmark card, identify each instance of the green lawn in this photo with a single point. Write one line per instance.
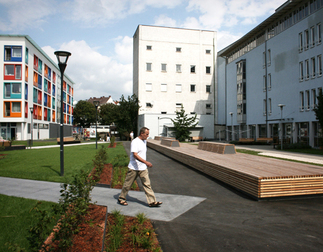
(44, 164)
(15, 219)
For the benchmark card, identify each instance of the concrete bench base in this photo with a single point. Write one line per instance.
(170, 142)
(68, 140)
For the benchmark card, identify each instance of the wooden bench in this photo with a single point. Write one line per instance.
(265, 139)
(67, 140)
(220, 148)
(170, 142)
(196, 138)
(246, 140)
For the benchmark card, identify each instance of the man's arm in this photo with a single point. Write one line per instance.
(135, 154)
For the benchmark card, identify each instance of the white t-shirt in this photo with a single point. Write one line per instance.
(139, 146)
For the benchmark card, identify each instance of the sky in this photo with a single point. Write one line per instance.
(99, 33)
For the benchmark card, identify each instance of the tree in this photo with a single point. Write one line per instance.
(108, 113)
(84, 114)
(127, 117)
(319, 108)
(182, 124)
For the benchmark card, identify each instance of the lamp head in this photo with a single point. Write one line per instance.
(231, 113)
(96, 103)
(62, 56)
(281, 105)
(31, 109)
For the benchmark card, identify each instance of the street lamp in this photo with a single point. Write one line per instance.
(31, 126)
(281, 124)
(62, 58)
(232, 132)
(96, 104)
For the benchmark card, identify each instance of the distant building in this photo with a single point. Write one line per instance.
(174, 67)
(30, 79)
(270, 78)
(103, 100)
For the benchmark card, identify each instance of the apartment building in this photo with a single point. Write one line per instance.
(30, 81)
(174, 67)
(270, 78)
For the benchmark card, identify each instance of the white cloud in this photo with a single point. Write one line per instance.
(163, 20)
(225, 38)
(20, 14)
(101, 12)
(94, 74)
(217, 14)
(124, 49)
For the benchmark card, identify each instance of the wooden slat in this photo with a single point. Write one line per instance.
(257, 176)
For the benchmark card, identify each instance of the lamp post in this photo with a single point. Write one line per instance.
(281, 124)
(232, 130)
(62, 58)
(96, 104)
(31, 126)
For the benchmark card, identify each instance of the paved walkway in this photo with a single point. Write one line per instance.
(202, 214)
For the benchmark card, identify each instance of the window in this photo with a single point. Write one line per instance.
(192, 87)
(208, 106)
(319, 65)
(312, 29)
(26, 91)
(149, 87)
(178, 49)
(313, 73)
(12, 109)
(270, 107)
(178, 88)
(192, 69)
(301, 71)
(26, 56)
(148, 66)
(12, 72)
(208, 51)
(178, 105)
(208, 69)
(163, 112)
(314, 98)
(269, 57)
(263, 59)
(13, 53)
(269, 81)
(12, 90)
(163, 67)
(26, 73)
(264, 107)
(149, 47)
(301, 96)
(319, 35)
(300, 42)
(163, 87)
(178, 68)
(307, 70)
(149, 105)
(307, 97)
(208, 88)
(264, 85)
(306, 39)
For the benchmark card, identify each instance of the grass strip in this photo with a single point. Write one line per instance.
(16, 218)
(44, 164)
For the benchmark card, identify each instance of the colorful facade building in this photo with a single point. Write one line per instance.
(30, 81)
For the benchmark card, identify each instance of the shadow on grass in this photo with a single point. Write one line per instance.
(50, 167)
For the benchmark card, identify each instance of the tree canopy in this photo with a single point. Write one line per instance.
(182, 124)
(84, 113)
(108, 113)
(127, 117)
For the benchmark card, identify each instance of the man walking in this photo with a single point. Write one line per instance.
(138, 167)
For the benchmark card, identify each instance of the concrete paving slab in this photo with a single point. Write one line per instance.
(300, 158)
(172, 207)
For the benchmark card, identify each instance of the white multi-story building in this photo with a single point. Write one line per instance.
(30, 79)
(174, 67)
(270, 78)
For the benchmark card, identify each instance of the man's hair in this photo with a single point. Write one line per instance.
(143, 130)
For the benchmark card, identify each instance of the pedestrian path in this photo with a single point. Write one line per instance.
(172, 207)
